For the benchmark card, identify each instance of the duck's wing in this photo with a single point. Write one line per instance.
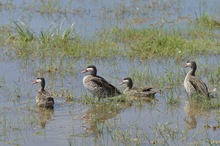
(146, 88)
(101, 82)
(143, 91)
(199, 85)
(46, 94)
(148, 93)
(45, 99)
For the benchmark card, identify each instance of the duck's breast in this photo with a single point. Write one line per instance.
(188, 86)
(90, 85)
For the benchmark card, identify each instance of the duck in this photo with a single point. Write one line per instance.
(97, 85)
(43, 97)
(192, 83)
(136, 91)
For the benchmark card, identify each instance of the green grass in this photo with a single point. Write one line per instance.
(202, 103)
(208, 21)
(56, 42)
(174, 100)
(218, 73)
(24, 32)
(147, 43)
(129, 42)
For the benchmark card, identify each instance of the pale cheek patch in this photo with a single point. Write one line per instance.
(89, 69)
(188, 64)
(125, 81)
(38, 80)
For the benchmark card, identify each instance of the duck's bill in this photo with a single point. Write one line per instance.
(85, 70)
(34, 82)
(121, 83)
(185, 66)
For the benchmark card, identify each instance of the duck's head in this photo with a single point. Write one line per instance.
(41, 81)
(38, 80)
(127, 81)
(191, 64)
(92, 69)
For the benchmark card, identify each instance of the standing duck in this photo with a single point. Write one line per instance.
(192, 83)
(137, 92)
(43, 98)
(97, 85)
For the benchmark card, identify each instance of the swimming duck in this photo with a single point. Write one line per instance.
(97, 85)
(135, 91)
(192, 83)
(43, 98)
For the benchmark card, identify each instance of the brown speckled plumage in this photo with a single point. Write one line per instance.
(43, 98)
(97, 85)
(194, 84)
(135, 91)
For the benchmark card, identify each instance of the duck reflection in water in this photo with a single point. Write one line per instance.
(44, 115)
(96, 115)
(194, 111)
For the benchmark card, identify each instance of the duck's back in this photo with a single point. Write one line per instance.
(44, 99)
(98, 86)
(140, 92)
(194, 84)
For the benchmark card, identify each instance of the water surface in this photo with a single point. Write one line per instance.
(77, 123)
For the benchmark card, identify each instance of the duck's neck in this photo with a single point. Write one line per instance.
(42, 86)
(94, 72)
(192, 71)
(129, 85)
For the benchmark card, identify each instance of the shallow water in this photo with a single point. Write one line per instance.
(91, 16)
(76, 123)
(83, 124)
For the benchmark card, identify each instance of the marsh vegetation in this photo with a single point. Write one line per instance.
(147, 41)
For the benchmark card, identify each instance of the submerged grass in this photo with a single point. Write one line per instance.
(121, 99)
(218, 75)
(173, 100)
(7, 5)
(203, 103)
(208, 21)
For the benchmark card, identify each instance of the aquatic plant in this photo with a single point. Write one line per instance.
(208, 21)
(150, 43)
(174, 100)
(24, 32)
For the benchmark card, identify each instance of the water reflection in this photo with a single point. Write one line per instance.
(149, 100)
(193, 111)
(44, 115)
(96, 115)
